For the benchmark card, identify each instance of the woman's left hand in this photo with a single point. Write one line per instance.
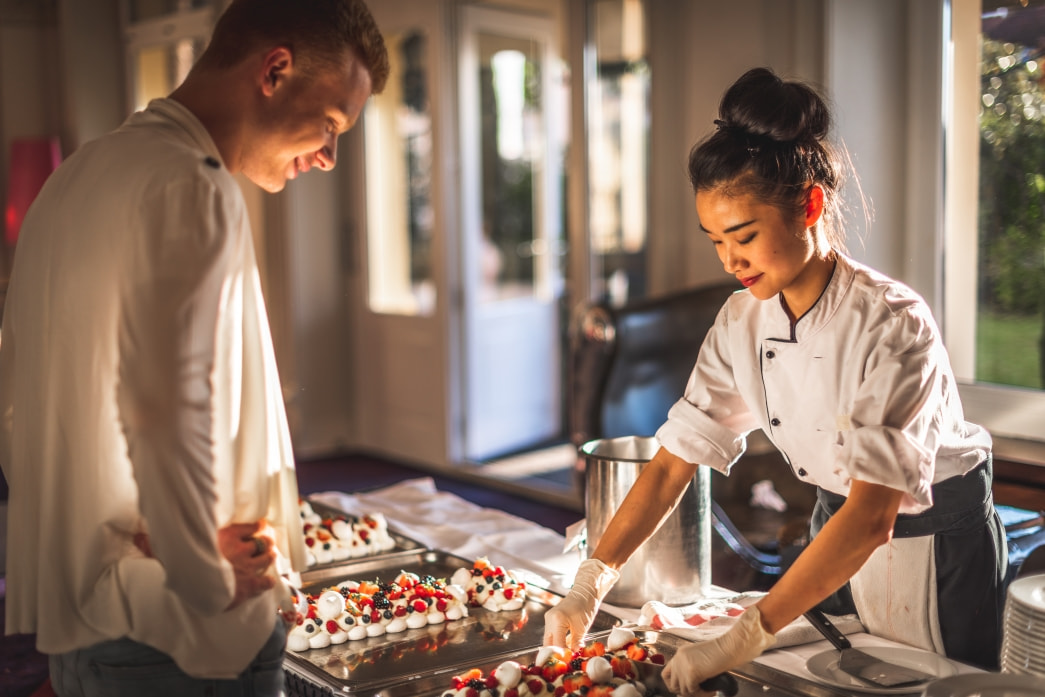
(695, 663)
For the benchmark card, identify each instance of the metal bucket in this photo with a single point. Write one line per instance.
(673, 566)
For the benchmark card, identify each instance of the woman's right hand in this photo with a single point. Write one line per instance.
(573, 615)
(251, 549)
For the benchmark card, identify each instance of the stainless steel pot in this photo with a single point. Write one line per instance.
(674, 566)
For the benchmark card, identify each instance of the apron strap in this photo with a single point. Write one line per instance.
(961, 503)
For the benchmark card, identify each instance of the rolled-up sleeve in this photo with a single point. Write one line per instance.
(168, 343)
(894, 427)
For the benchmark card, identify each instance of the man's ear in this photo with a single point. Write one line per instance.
(276, 67)
(814, 205)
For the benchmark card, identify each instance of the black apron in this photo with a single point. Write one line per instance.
(971, 556)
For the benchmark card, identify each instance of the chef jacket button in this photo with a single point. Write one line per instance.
(801, 472)
(774, 422)
(211, 162)
(770, 354)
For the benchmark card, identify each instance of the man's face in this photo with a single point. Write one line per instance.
(301, 119)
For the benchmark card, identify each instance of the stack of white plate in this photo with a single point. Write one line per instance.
(1023, 632)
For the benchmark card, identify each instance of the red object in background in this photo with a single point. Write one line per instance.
(32, 161)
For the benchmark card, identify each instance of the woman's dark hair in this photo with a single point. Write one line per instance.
(770, 143)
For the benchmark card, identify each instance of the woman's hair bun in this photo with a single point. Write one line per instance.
(761, 104)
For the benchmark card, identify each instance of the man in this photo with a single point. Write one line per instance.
(144, 435)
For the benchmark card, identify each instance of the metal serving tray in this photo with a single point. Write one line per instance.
(403, 544)
(753, 679)
(438, 685)
(435, 651)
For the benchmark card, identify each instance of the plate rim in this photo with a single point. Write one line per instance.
(887, 653)
(974, 681)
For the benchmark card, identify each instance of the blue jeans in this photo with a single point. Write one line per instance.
(126, 668)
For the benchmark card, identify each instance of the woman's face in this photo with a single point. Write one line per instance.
(768, 251)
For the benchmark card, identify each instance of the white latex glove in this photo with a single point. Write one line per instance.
(575, 612)
(695, 663)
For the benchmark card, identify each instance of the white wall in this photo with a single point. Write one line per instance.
(696, 51)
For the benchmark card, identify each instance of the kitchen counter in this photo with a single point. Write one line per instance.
(443, 521)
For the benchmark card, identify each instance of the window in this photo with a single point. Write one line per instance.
(619, 150)
(164, 38)
(401, 219)
(995, 327)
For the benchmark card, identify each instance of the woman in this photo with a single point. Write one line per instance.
(845, 371)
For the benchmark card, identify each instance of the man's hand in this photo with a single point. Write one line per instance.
(695, 663)
(251, 549)
(575, 613)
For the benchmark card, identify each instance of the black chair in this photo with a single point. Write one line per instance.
(629, 364)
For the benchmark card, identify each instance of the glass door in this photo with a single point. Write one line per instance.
(512, 136)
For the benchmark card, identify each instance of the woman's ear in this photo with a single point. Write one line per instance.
(814, 205)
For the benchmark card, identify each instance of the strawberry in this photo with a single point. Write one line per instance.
(636, 652)
(553, 669)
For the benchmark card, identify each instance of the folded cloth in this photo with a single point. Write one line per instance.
(444, 521)
(711, 617)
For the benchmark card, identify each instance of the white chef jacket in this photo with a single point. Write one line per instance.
(139, 393)
(861, 388)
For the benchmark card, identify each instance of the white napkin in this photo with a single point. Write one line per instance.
(442, 520)
(711, 617)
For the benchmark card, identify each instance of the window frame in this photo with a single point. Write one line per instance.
(1014, 416)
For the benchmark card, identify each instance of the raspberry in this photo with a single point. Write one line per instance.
(332, 627)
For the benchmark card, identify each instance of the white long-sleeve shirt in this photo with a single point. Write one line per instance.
(862, 389)
(139, 393)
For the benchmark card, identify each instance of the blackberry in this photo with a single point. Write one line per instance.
(428, 580)
(577, 664)
(381, 601)
(477, 684)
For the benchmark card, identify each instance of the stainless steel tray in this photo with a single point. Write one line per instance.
(753, 679)
(437, 685)
(435, 651)
(403, 544)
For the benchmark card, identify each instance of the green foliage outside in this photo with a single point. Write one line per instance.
(1012, 217)
(1007, 349)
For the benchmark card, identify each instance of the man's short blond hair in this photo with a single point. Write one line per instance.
(318, 32)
